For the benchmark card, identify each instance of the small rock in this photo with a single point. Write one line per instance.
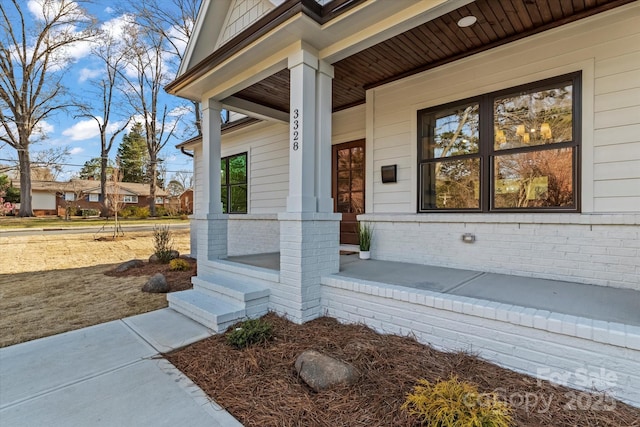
(134, 263)
(156, 284)
(153, 259)
(323, 372)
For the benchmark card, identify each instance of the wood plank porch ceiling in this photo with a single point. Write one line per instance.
(433, 44)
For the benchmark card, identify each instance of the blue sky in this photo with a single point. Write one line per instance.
(80, 134)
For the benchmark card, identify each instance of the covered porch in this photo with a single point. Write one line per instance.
(301, 73)
(561, 331)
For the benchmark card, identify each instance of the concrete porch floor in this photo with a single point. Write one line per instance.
(576, 299)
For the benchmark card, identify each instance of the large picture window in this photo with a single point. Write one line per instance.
(512, 150)
(233, 174)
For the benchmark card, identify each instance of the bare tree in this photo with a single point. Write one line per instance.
(115, 200)
(174, 20)
(32, 56)
(111, 53)
(145, 60)
(184, 178)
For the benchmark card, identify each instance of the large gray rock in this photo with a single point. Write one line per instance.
(322, 372)
(134, 263)
(156, 284)
(153, 259)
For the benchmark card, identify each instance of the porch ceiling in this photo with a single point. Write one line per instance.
(432, 44)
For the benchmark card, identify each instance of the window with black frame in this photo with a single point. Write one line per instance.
(512, 150)
(233, 177)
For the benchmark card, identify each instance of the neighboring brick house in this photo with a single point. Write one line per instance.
(53, 197)
(186, 201)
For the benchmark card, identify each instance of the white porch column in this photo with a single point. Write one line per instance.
(215, 244)
(309, 230)
(324, 78)
(302, 132)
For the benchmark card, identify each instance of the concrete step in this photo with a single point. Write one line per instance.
(214, 313)
(238, 288)
(246, 270)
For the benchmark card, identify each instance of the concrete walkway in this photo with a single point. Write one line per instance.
(107, 375)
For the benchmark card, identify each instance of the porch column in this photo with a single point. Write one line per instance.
(214, 246)
(324, 79)
(302, 132)
(309, 230)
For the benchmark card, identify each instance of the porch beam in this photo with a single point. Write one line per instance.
(253, 109)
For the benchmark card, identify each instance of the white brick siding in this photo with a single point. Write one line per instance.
(526, 340)
(253, 234)
(596, 249)
(309, 249)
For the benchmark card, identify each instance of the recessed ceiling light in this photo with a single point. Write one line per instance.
(467, 21)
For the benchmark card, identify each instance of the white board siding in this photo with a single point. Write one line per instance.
(268, 164)
(241, 14)
(348, 125)
(606, 48)
(268, 156)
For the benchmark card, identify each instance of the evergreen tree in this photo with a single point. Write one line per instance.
(133, 156)
(91, 169)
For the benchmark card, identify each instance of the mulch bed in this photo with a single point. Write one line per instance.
(260, 387)
(177, 280)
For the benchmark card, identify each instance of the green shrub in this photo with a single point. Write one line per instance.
(161, 211)
(250, 332)
(178, 264)
(126, 212)
(141, 212)
(453, 403)
(162, 243)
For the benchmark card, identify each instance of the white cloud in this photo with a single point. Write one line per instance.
(115, 27)
(88, 74)
(180, 111)
(178, 38)
(85, 129)
(76, 150)
(43, 128)
(46, 10)
(109, 10)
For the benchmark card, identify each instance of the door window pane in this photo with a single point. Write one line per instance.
(357, 202)
(534, 179)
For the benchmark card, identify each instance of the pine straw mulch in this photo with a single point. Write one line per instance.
(177, 280)
(259, 385)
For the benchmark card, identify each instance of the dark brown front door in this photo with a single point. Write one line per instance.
(348, 187)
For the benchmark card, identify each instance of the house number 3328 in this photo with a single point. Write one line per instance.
(295, 124)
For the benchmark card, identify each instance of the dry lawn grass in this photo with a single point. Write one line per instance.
(56, 283)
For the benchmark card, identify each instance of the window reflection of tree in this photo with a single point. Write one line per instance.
(535, 179)
(456, 134)
(351, 180)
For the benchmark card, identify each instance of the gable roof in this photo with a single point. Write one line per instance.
(406, 41)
